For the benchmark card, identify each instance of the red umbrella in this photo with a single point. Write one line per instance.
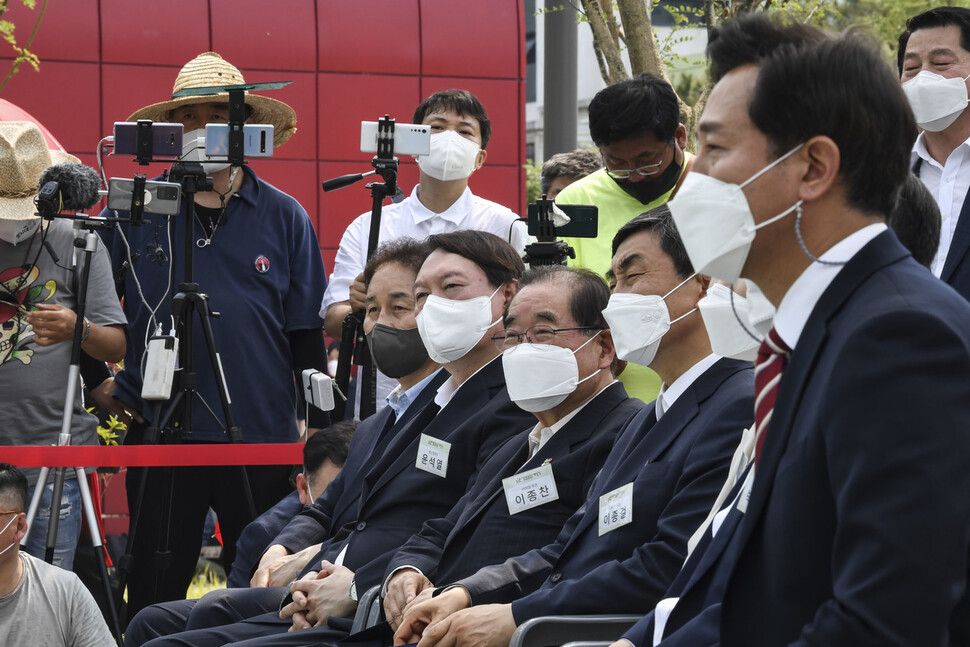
(13, 112)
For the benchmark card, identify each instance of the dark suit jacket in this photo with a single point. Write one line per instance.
(397, 497)
(677, 466)
(479, 530)
(337, 505)
(857, 531)
(257, 536)
(956, 268)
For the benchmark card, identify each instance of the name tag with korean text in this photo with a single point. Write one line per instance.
(530, 489)
(616, 509)
(433, 455)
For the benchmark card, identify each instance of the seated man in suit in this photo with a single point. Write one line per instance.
(621, 551)
(557, 361)
(854, 528)
(324, 453)
(463, 287)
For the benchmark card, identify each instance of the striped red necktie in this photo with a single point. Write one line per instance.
(772, 359)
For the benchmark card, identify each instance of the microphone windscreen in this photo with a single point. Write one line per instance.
(77, 183)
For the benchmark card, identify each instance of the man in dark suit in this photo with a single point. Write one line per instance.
(934, 51)
(854, 528)
(622, 550)
(389, 278)
(324, 454)
(461, 290)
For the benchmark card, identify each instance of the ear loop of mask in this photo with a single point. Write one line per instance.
(584, 346)
(801, 241)
(5, 529)
(664, 299)
(738, 318)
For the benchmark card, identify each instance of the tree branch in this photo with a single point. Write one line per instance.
(644, 53)
(603, 39)
(24, 53)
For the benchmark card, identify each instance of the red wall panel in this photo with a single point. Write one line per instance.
(301, 95)
(153, 33)
(256, 35)
(66, 35)
(379, 37)
(64, 97)
(476, 39)
(347, 99)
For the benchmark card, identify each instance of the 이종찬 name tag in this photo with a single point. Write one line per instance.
(616, 509)
(433, 455)
(530, 489)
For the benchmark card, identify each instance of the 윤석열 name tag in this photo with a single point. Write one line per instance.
(433, 455)
(616, 509)
(530, 489)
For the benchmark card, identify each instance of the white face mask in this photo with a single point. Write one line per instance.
(17, 231)
(936, 100)
(193, 150)
(309, 490)
(5, 530)
(540, 376)
(731, 330)
(332, 367)
(638, 322)
(452, 157)
(716, 224)
(449, 329)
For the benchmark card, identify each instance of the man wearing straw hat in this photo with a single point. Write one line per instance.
(257, 258)
(38, 290)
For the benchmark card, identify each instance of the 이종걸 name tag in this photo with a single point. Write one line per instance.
(616, 509)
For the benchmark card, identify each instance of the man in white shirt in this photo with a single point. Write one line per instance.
(934, 63)
(440, 203)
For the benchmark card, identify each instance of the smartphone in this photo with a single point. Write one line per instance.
(583, 220)
(409, 139)
(160, 197)
(166, 140)
(257, 140)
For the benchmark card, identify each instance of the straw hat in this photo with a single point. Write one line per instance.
(208, 70)
(23, 158)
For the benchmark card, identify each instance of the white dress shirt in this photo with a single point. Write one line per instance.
(540, 435)
(669, 394)
(399, 400)
(949, 185)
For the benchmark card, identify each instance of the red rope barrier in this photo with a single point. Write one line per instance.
(153, 455)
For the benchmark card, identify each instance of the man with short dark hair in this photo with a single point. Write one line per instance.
(40, 604)
(620, 552)
(934, 62)
(862, 423)
(636, 126)
(440, 202)
(562, 169)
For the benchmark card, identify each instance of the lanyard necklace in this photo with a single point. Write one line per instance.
(202, 243)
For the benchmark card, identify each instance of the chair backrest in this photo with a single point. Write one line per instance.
(368, 609)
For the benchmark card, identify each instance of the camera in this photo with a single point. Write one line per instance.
(160, 197)
(165, 139)
(582, 220)
(409, 139)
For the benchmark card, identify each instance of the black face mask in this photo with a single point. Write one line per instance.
(646, 191)
(396, 352)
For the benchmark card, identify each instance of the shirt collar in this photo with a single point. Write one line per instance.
(448, 388)
(800, 300)
(399, 400)
(453, 214)
(540, 435)
(249, 191)
(670, 394)
(920, 152)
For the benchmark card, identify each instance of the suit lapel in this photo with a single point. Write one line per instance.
(883, 250)
(471, 397)
(381, 420)
(960, 243)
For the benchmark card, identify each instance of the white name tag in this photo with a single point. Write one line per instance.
(616, 509)
(530, 489)
(433, 455)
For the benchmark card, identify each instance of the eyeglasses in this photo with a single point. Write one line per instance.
(649, 169)
(540, 334)
(10, 511)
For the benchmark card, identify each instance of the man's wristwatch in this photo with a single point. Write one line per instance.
(353, 590)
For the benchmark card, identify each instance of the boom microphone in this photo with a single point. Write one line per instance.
(73, 187)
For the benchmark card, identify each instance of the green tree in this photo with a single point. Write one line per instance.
(23, 54)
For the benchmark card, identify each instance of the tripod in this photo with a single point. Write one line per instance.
(189, 301)
(88, 244)
(352, 339)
